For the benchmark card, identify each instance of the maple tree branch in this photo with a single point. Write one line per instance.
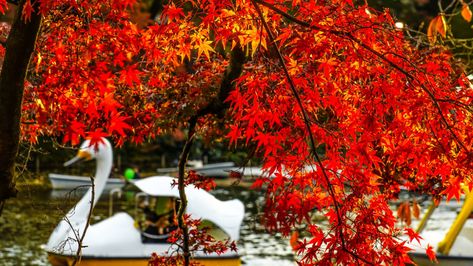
(20, 45)
(155, 9)
(182, 193)
(234, 71)
(309, 132)
(218, 105)
(376, 53)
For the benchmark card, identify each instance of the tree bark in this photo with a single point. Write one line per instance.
(182, 193)
(19, 48)
(217, 106)
(156, 9)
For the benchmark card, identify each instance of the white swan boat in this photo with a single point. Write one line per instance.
(62, 181)
(116, 240)
(452, 240)
(217, 170)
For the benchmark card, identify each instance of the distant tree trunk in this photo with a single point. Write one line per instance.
(156, 8)
(19, 47)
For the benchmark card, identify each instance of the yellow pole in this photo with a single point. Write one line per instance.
(446, 244)
(426, 217)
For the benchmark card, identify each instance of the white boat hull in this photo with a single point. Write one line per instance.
(116, 241)
(60, 181)
(219, 170)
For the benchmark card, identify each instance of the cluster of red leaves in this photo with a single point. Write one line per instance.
(199, 181)
(380, 112)
(200, 241)
(405, 212)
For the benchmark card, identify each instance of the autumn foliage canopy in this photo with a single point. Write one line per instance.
(340, 106)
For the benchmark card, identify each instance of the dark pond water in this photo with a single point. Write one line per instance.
(28, 220)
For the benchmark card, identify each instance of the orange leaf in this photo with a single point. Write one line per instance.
(441, 26)
(407, 214)
(404, 212)
(415, 209)
(432, 30)
(466, 12)
(437, 25)
(294, 240)
(400, 211)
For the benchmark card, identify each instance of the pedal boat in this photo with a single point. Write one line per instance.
(116, 241)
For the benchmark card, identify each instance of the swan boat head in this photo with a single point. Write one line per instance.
(65, 236)
(101, 151)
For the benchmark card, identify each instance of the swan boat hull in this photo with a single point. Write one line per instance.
(116, 241)
(61, 260)
(60, 181)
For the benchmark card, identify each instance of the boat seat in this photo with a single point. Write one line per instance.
(152, 238)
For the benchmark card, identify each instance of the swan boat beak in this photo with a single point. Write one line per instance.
(81, 156)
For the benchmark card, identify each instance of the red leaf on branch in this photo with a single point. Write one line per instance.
(118, 125)
(412, 234)
(172, 12)
(130, 75)
(3, 6)
(96, 137)
(27, 10)
(431, 253)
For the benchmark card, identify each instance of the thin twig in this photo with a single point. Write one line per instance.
(78, 256)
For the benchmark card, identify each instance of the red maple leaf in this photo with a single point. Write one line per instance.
(118, 125)
(412, 234)
(431, 253)
(27, 10)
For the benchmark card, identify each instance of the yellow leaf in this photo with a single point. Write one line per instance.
(466, 12)
(204, 47)
(442, 26)
(40, 103)
(38, 63)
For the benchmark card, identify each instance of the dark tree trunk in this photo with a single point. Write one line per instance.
(156, 9)
(216, 106)
(20, 46)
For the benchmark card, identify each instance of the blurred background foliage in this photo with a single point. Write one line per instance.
(418, 14)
